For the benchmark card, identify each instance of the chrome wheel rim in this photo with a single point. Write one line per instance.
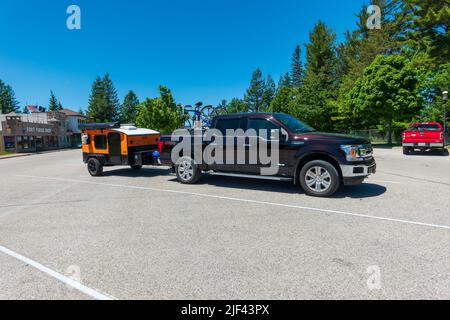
(318, 179)
(186, 170)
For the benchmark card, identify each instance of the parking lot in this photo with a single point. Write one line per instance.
(142, 235)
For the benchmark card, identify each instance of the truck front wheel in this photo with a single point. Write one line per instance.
(319, 178)
(187, 170)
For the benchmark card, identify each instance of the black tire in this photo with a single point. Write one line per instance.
(328, 180)
(406, 150)
(187, 171)
(95, 167)
(136, 168)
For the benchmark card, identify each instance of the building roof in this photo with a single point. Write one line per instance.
(71, 113)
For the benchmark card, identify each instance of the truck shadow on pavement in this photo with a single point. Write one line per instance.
(366, 190)
(144, 172)
(432, 153)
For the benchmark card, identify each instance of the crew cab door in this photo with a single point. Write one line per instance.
(229, 162)
(257, 124)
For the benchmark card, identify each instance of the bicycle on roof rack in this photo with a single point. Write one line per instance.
(201, 116)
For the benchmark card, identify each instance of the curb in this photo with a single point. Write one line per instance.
(15, 156)
(20, 155)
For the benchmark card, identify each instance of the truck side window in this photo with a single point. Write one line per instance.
(100, 142)
(261, 124)
(224, 124)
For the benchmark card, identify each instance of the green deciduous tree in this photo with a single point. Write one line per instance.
(8, 102)
(237, 106)
(161, 113)
(129, 108)
(387, 94)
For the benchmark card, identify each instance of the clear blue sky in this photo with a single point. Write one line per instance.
(204, 50)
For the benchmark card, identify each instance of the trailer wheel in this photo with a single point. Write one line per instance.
(95, 167)
(187, 170)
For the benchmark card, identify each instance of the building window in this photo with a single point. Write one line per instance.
(100, 142)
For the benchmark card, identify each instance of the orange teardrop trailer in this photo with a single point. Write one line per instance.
(112, 144)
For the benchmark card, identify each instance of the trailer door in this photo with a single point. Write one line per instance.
(115, 150)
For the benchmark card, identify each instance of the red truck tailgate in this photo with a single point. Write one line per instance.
(422, 136)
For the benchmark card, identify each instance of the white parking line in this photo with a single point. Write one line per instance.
(242, 200)
(68, 281)
(383, 181)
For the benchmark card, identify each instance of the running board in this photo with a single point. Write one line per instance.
(250, 176)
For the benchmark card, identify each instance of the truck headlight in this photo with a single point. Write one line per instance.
(352, 153)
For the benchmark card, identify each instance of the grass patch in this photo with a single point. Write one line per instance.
(6, 153)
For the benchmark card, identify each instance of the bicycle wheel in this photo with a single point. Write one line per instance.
(219, 112)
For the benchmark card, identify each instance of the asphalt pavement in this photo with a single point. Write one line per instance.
(142, 235)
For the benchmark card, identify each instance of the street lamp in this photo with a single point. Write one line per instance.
(445, 98)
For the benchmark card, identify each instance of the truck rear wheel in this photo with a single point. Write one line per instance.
(406, 150)
(319, 178)
(95, 167)
(187, 171)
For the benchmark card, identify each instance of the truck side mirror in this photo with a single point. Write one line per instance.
(279, 134)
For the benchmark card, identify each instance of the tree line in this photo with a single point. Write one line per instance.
(375, 79)
(382, 78)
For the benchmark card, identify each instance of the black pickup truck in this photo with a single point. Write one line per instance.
(319, 162)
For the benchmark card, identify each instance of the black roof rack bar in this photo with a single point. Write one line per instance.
(99, 126)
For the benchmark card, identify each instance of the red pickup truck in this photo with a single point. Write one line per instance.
(424, 136)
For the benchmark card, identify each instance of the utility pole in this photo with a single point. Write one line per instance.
(445, 98)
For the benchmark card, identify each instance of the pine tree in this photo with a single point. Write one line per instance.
(255, 93)
(312, 101)
(95, 112)
(103, 101)
(285, 81)
(298, 72)
(282, 101)
(430, 28)
(269, 93)
(8, 101)
(129, 108)
(53, 105)
(111, 99)
(25, 110)
(80, 111)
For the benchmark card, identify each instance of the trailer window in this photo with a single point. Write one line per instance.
(100, 142)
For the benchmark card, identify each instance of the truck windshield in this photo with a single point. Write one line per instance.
(426, 127)
(293, 124)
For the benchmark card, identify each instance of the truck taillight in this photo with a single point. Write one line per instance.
(441, 136)
(404, 135)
